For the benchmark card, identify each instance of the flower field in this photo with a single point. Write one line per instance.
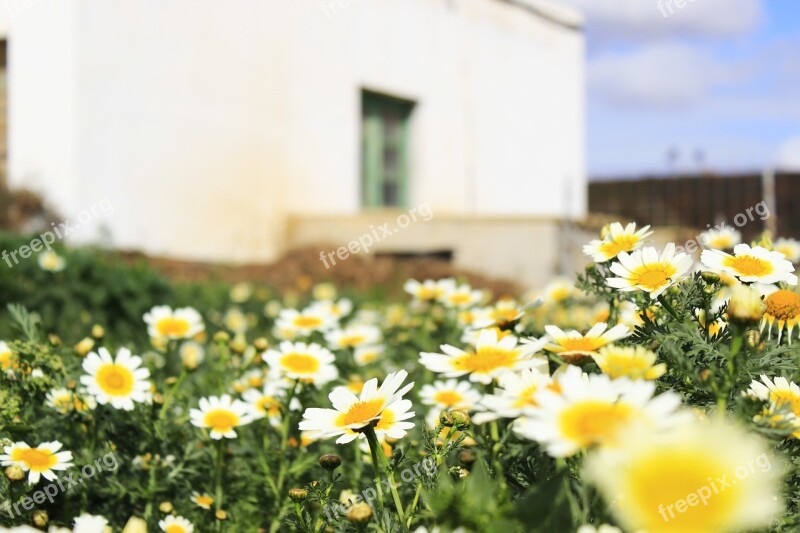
(655, 392)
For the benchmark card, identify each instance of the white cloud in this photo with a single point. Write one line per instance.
(645, 20)
(660, 75)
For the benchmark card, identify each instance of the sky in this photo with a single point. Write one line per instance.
(710, 86)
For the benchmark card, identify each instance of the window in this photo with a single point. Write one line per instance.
(384, 150)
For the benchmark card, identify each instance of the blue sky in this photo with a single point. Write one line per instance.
(716, 83)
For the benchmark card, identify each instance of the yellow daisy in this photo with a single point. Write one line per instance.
(51, 261)
(307, 362)
(781, 394)
(783, 310)
(720, 239)
(788, 247)
(176, 524)
(119, 382)
(202, 500)
(163, 322)
(222, 415)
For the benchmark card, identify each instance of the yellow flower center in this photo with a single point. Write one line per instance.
(747, 265)
(360, 413)
(300, 363)
(352, 340)
(459, 298)
(653, 276)
(307, 322)
(580, 344)
(6, 360)
(525, 398)
(115, 380)
(269, 405)
(783, 304)
(204, 500)
(623, 243)
(34, 458)
(175, 528)
(721, 242)
(426, 293)
(448, 397)
(665, 476)
(221, 420)
(786, 398)
(505, 315)
(385, 421)
(172, 327)
(592, 421)
(486, 359)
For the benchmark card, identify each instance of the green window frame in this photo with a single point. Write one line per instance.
(385, 150)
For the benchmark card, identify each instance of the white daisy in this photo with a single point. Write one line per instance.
(304, 323)
(192, 354)
(119, 382)
(517, 392)
(490, 358)
(310, 363)
(183, 323)
(42, 461)
(558, 290)
(353, 412)
(65, 401)
(353, 336)
(365, 355)
(644, 270)
(336, 309)
(754, 264)
(616, 241)
(572, 345)
(222, 415)
(204, 501)
(176, 524)
(788, 247)
(51, 261)
(461, 297)
(87, 523)
(592, 410)
(268, 402)
(450, 394)
(724, 238)
(429, 290)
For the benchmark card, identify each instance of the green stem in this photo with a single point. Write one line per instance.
(575, 511)
(413, 506)
(219, 493)
(171, 394)
(668, 307)
(378, 455)
(374, 449)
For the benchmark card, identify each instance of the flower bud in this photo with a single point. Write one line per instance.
(135, 525)
(221, 515)
(221, 336)
(54, 339)
(15, 473)
(261, 344)
(745, 305)
(84, 346)
(239, 343)
(461, 418)
(360, 513)
(710, 277)
(165, 507)
(298, 495)
(467, 457)
(330, 462)
(446, 419)
(40, 518)
(98, 332)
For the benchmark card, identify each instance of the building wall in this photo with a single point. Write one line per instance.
(207, 124)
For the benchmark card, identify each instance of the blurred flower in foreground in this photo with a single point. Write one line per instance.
(720, 239)
(183, 323)
(783, 311)
(429, 290)
(51, 261)
(383, 406)
(87, 523)
(492, 357)
(634, 362)
(39, 462)
(176, 524)
(517, 392)
(222, 415)
(593, 410)
(698, 477)
(644, 270)
(616, 240)
(754, 264)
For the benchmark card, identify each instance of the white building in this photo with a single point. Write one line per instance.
(235, 130)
